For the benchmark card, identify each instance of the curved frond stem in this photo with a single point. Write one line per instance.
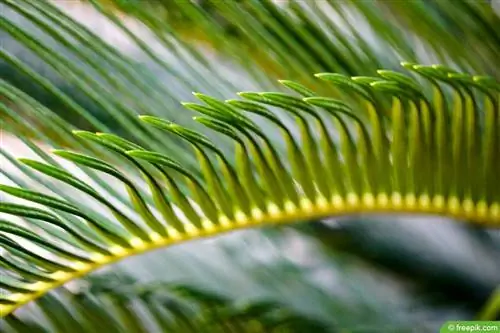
(338, 208)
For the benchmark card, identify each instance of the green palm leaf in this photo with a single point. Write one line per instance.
(400, 163)
(388, 143)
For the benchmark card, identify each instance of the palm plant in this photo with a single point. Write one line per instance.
(336, 143)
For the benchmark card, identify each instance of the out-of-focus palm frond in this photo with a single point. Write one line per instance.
(132, 307)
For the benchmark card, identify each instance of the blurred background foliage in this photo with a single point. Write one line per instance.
(96, 64)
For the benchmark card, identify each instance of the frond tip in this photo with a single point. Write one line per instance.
(390, 146)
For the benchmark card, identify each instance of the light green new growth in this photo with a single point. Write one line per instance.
(391, 147)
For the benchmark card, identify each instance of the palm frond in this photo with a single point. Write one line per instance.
(381, 162)
(393, 143)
